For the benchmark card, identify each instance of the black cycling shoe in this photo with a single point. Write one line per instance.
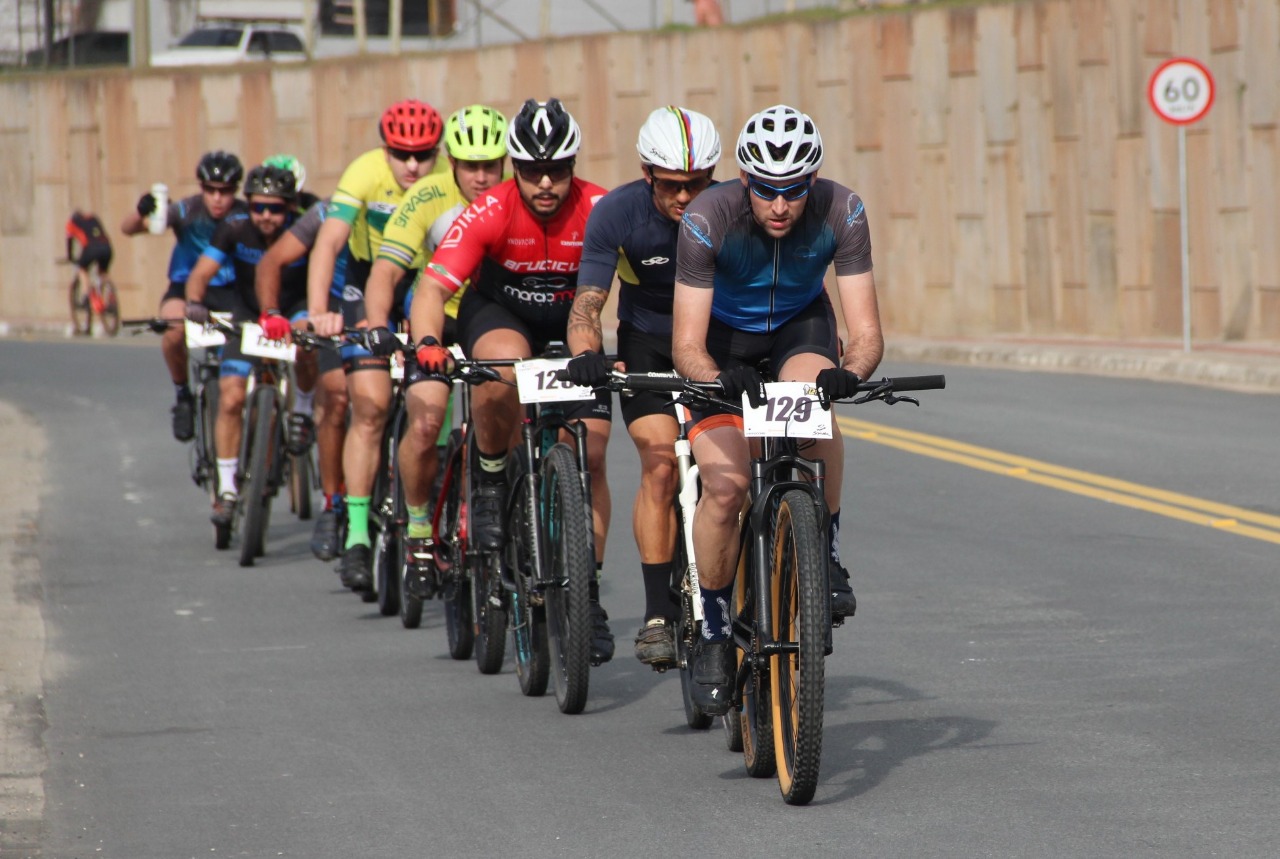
(301, 433)
(224, 510)
(486, 515)
(355, 568)
(184, 417)
(843, 602)
(713, 675)
(601, 637)
(324, 538)
(656, 643)
(420, 571)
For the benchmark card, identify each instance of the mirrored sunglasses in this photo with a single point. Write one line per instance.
(765, 191)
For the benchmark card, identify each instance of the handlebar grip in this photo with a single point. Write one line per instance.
(659, 382)
(918, 383)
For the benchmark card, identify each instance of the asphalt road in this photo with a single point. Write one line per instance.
(1050, 658)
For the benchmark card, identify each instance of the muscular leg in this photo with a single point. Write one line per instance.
(227, 430)
(418, 461)
(370, 394)
(653, 517)
(601, 501)
(173, 344)
(331, 429)
(723, 457)
(496, 408)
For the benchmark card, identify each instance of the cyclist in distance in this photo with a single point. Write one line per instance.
(330, 415)
(749, 286)
(367, 194)
(633, 232)
(305, 199)
(475, 140)
(193, 221)
(85, 231)
(520, 244)
(242, 242)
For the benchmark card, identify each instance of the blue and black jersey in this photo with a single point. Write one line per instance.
(238, 243)
(194, 228)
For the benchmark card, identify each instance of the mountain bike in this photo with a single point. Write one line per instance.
(204, 345)
(268, 461)
(100, 299)
(781, 613)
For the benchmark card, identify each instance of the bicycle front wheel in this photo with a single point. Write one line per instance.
(491, 613)
(81, 311)
(255, 496)
(388, 548)
(110, 308)
(798, 677)
(686, 632)
(570, 566)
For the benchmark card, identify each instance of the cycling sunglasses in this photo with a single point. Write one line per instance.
(419, 155)
(533, 171)
(671, 187)
(218, 190)
(272, 208)
(765, 191)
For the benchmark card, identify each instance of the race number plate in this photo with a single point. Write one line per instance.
(791, 410)
(254, 342)
(537, 383)
(206, 336)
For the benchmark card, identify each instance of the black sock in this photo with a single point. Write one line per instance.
(716, 613)
(182, 391)
(657, 591)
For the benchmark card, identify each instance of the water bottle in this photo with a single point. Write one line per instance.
(158, 221)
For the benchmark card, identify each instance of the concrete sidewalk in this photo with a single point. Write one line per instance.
(1254, 368)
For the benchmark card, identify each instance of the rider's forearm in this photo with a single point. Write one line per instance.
(379, 292)
(584, 331)
(693, 362)
(426, 314)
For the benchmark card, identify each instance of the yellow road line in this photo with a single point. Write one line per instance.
(1186, 508)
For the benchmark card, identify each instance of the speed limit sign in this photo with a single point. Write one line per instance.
(1181, 91)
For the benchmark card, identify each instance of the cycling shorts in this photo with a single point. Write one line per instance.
(101, 254)
(644, 353)
(478, 316)
(354, 356)
(812, 330)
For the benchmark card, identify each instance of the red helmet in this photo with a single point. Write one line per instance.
(411, 124)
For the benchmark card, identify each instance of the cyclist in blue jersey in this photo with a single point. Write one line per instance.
(193, 220)
(330, 418)
(632, 231)
(751, 259)
(242, 241)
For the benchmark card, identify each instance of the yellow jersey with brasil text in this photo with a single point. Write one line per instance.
(404, 236)
(366, 196)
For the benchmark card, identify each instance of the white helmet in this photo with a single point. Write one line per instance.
(543, 132)
(780, 143)
(678, 139)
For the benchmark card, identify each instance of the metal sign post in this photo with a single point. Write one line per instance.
(1181, 92)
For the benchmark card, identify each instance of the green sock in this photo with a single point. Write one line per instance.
(419, 525)
(357, 521)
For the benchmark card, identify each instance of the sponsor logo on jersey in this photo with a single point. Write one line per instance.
(540, 265)
(854, 211)
(655, 261)
(696, 227)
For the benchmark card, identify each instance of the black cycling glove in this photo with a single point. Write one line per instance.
(837, 383)
(740, 380)
(382, 342)
(146, 204)
(588, 368)
(198, 312)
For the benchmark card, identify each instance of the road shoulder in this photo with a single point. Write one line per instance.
(22, 637)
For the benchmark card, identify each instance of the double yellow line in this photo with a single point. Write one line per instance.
(1197, 511)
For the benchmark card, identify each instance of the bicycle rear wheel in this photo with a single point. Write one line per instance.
(302, 471)
(81, 311)
(570, 565)
(255, 494)
(110, 308)
(528, 613)
(798, 679)
(450, 552)
(750, 730)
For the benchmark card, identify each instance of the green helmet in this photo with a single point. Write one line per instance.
(290, 163)
(476, 133)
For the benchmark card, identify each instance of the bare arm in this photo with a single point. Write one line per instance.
(267, 274)
(585, 331)
(380, 291)
(690, 317)
(426, 313)
(861, 310)
(198, 281)
(330, 241)
(133, 224)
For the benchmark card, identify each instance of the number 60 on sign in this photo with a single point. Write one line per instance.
(1181, 91)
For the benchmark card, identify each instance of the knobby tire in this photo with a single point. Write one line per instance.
(570, 566)
(528, 621)
(254, 495)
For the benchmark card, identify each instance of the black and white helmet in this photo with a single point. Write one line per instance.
(779, 144)
(219, 166)
(271, 181)
(543, 131)
(678, 139)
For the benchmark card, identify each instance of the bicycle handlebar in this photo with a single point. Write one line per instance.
(879, 389)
